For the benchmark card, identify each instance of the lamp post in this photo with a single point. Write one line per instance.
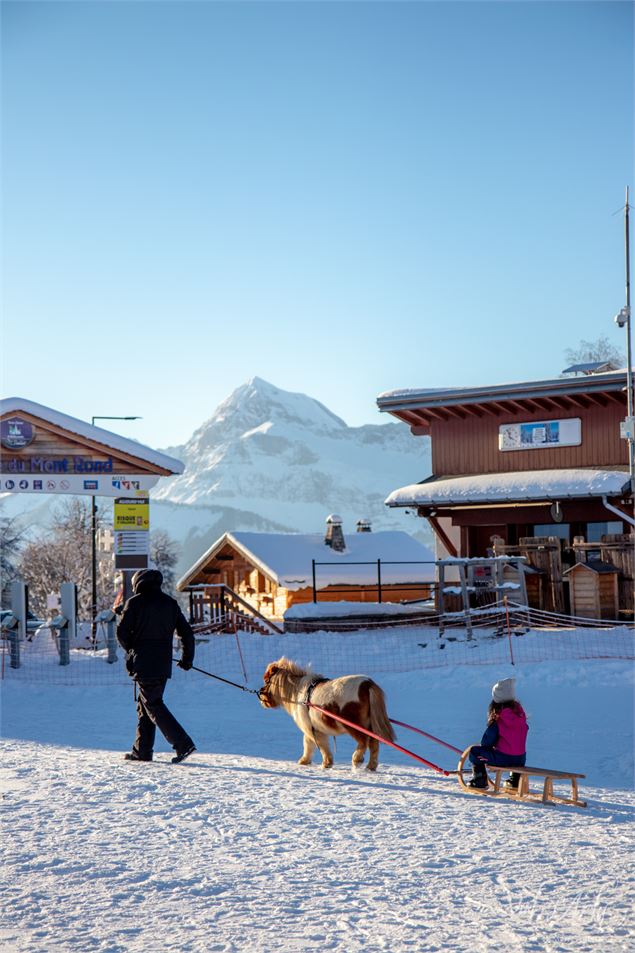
(93, 535)
(623, 319)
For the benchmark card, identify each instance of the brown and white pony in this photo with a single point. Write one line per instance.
(355, 697)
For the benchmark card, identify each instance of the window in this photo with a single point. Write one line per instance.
(595, 531)
(561, 530)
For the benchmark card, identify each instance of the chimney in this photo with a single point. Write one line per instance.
(334, 536)
(363, 526)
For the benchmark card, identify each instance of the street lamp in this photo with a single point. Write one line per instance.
(93, 535)
(623, 319)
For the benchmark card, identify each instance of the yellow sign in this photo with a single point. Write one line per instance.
(132, 514)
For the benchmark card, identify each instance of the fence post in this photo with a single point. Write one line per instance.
(379, 580)
(60, 623)
(13, 636)
(313, 575)
(107, 618)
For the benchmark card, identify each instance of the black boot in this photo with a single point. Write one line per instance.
(511, 783)
(134, 756)
(185, 753)
(478, 781)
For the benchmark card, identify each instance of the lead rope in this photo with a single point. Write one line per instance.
(243, 688)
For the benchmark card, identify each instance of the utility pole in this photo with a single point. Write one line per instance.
(629, 352)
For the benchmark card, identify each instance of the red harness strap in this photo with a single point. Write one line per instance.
(425, 734)
(384, 741)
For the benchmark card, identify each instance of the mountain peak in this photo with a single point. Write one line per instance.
(259, 402)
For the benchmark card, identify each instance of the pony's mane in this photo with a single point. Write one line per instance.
(292, 668)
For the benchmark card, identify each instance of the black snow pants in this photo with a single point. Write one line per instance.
(153, 713)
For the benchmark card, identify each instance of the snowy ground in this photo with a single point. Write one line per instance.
(241, 849)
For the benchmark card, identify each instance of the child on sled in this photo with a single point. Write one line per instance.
(503, 742)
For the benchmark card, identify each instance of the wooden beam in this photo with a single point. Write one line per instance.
(438, 531)
(616, 398)
(409, 417)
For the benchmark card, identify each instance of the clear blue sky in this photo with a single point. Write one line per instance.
(342, 198)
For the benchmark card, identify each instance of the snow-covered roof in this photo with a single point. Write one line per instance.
(287, 558)
(13, 405)
(610, 380)
(511, 487)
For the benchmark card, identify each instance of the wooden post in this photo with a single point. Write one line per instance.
(441, 599)
(466, 600)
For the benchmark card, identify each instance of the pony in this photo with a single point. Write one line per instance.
(355, 697)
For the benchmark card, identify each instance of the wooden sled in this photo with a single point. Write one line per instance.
(495, 789)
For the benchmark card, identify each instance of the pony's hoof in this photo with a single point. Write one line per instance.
(304, 761)
(371, 767)
(327, 764)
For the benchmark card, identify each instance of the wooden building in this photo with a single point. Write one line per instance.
(523, 468)
(272, 571)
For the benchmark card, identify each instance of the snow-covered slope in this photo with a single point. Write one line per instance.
(275, 461)
(242, 850)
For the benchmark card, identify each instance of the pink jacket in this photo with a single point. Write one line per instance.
(512, 731)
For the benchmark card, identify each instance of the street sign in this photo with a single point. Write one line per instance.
(131, 549)
(132, 514)
(79, 485)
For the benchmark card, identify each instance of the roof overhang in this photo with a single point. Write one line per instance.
(420, 408)
(92, 438)
(522, 487)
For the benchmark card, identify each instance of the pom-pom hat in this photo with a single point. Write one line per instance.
(505, 690)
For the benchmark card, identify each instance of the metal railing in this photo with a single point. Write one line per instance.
(425, 586)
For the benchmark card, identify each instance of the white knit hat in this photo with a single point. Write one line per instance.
(505, 690)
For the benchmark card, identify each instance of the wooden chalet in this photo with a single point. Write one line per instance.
(526, 468)
(272, 571)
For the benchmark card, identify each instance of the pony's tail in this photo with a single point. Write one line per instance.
(379, 720)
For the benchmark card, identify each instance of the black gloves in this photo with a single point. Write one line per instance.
(186, 666)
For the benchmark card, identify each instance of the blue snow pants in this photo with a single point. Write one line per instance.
(480, 755)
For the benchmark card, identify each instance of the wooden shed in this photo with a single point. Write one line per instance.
(593, 590)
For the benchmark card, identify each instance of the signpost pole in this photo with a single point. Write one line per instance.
(93, 538)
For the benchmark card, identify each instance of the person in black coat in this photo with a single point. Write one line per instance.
(145, 632)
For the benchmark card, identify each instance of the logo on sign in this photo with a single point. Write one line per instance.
(16, 433)
(37, 484)
(91, 484)
(23, 484)
(50, 484)
(9, 484)
(126, 484)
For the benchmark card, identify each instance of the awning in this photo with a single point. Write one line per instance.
(517, 487)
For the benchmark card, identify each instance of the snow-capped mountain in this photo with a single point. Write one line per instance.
(272, 460)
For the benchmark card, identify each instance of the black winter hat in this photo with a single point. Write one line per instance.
(146, 579)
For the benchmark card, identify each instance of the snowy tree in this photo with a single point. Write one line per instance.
(600, 350)
(164, 554)
(62, 553)
(11, 540)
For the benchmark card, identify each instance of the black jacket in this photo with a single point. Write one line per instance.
(146, 629)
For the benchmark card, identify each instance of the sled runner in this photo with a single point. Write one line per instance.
(522, 793)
